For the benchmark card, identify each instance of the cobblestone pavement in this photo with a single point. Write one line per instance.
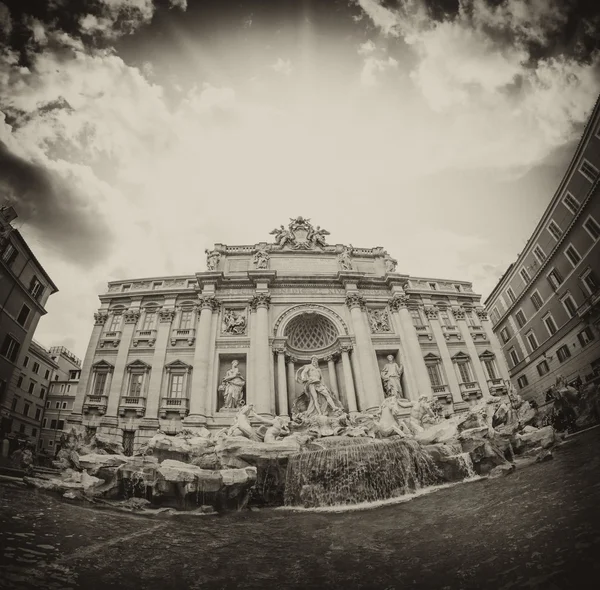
(536, 528)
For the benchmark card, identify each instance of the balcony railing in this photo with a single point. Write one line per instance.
(97, 402)
(148, 336)
(111, 338)
(442, 393)
(495, 385)
(188, 334)
(174, 404)
(136, 403)
(469, 390)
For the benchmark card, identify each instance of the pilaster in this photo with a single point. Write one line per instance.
(282, 394)
(263, 387)
(100, 318)
(459, 316)
(165, 317)
(131, 316)
(436, 328)
(495, 344)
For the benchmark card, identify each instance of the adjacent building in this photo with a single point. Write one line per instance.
(162, 349)
(60, 398)
(546, 308)
(24, 289)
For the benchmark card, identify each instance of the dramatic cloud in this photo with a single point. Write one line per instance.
(48, 200)
(483, 62)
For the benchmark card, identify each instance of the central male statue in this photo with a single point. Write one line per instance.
(312, 378)
(392, 375)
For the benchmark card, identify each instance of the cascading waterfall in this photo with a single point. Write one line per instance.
(467, 464)
(365, 472)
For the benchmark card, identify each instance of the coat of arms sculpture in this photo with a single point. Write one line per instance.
(299, 235)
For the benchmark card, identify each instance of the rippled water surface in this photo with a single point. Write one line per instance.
(536, 528)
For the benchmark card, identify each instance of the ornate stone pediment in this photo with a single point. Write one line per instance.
(299, 235)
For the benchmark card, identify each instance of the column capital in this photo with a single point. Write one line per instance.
(100, 318)
(482, 314)
(458, 313)
(291, 359)
(131, 316)
(355, 300)
(398, 301)
(209, 302)
(431, 312)
(279, 348)
(260, 300)
(166, 315)
(331, 358)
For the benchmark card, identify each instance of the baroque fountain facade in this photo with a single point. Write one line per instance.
(293, 372)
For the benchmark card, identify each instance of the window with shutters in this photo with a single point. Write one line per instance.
(555, 279)
(555, 230)
(536, 300)
(563, 353)
(550, 324)
(10, 348)
(592, 228)
(543, 368)
(571, 203)
(589, 280)
(522, 381)
(531, 338)
(572, 255)
(585, 336)
(520, 317)
(569, 304)
(589, 171)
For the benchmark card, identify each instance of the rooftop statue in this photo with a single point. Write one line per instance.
(212, 259)
(345, 258)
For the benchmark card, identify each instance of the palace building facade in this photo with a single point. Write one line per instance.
(546, 307)
(187, 351)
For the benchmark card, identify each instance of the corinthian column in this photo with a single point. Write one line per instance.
(282, 393)
(262, 386)
(416, 371)
(158, 366)
(371, 394)
(348, 380)
(86, 369)
(291, 380)
(200, 395)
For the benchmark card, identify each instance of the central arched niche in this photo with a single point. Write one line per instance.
(310, 332)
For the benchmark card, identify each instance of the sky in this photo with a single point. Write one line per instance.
(134, 134)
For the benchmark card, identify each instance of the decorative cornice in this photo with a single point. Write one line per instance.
(355, 300)
(100, 318)
(260, 300)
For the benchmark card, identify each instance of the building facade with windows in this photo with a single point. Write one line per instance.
(24, 290)
(163, 351)
(29, 395)
(546, 307)
(60, 398)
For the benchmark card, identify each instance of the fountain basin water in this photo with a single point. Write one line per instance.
(362, 472)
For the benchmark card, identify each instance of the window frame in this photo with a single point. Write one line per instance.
(532, 297)
(525, 320)
(569, 207)
(541, 258)
(590, 165)
(543, 363)
(525, 273)
(26, 308)
(565, 348)
(597, 228)
(566, 297)
(522, 385)
(548, 316)
(584, 275)
(531, 334)
(571, 247)
(9, 254)
(12, 347)
(590, 335)
(508, 336)
(554, 272)
(511, 295)
(510, 355)
(559, 231)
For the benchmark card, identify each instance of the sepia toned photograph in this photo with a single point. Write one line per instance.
(299, 294)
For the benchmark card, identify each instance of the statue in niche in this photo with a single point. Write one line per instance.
(282, 236)
(234, 323)
(212, 259)
(392, 377)
(231, 387)
(316, 398)
(345, 258)
(261, 258)
(390, 263)
(379, 320)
